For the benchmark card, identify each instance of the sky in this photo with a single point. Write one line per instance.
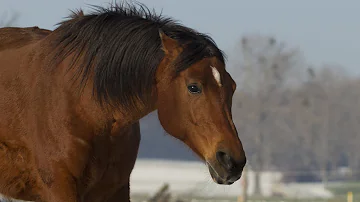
(326, 31)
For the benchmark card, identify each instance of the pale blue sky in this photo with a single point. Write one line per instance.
(327, 31)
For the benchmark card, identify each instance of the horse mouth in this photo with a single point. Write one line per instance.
(217, 178)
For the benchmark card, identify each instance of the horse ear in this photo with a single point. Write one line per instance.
(168, 44)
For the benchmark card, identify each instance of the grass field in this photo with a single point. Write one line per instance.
(340, 191)
(251, 199)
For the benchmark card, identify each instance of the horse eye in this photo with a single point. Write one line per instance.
(193, 88)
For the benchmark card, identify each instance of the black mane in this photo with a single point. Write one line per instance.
(122, 47)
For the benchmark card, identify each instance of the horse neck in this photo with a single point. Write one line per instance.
(123, 116)
(100, 117)
(127, 116)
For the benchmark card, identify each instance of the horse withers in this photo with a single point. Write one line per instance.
(71, 100)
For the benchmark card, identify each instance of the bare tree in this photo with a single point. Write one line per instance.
(292, 117)
(265, 70)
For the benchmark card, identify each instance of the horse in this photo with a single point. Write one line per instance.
(71, 100)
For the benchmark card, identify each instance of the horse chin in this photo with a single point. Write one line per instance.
(217, 178)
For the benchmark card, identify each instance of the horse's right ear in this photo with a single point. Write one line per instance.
(168, 45)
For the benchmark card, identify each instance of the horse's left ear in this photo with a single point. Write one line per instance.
(168, 45)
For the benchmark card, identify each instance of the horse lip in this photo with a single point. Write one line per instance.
(218, 179)
(212, 170)
(234, 179)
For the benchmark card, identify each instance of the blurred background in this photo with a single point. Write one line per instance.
(296, 108)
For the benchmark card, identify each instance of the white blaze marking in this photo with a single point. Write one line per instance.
(216, 75)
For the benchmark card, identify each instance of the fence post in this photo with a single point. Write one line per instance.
(244, 182)
(349, 196)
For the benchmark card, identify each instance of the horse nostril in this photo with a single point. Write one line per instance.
(226, 161)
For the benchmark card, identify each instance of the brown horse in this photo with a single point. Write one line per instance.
(71, 100)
